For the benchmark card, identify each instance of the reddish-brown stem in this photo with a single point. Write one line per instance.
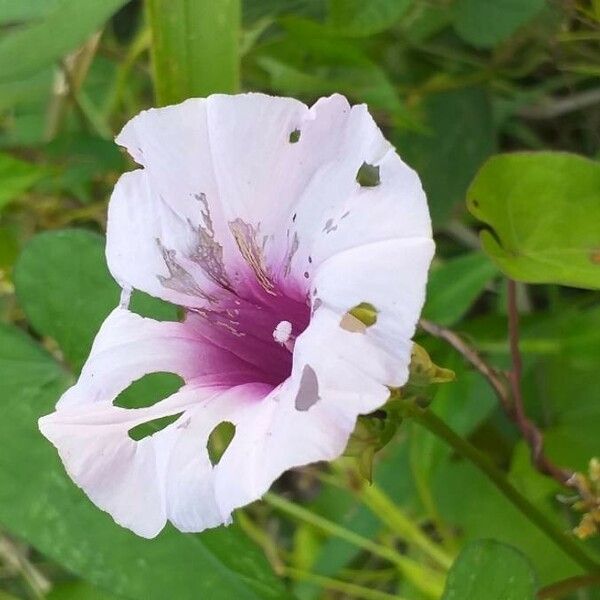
(531, 433)
(567, 586)
(507, 387)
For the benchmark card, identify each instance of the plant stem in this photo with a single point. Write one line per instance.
(426, 580)
(380, 504)
(567, 586)
(428, 501)
(194, 47)
(340, 586)
(531, 434)
(437, 426)
(508, 390)
(15, 558)
(140, 43)
(262, 538)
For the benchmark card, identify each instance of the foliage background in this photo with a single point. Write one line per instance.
(451, 83)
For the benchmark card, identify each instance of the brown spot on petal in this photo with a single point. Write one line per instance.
(290, 255)
(207, 252)
(329, 226)
(308, 391)
(317, 303)
(179, 279)
(245, 238)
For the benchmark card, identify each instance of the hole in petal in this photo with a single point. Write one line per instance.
(294, 136)
(218, 441)
(149, 390)
(143, 430)
(359, 318)
(153, 308)
(368, 175)
(308, 391)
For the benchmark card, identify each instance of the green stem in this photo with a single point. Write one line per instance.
(195, 47)
(380, 504)
(428, 581)
(427, 499)
(139, 45)
(436, 426)
(340, 586)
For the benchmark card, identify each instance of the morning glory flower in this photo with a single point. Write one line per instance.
(297, 243)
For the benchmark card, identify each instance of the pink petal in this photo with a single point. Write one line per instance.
(127, 478)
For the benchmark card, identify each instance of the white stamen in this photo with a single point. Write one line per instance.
(282, 332)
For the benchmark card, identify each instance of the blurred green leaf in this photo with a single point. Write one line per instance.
(64, 287)
(194, 47)
(455, 285)
(253, 10)
(469, 502)
(12, 12)
(311, 61)
(16, 177)
(460, 135)
(83, 160)
(543, 211)
(489, 570)
(78, 590)
(34, 88)
(359, 18)
(425, 21)
(41, 42)
(9, 247)
(486, 23)
(359, 81)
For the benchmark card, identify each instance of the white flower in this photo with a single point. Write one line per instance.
(247, 213)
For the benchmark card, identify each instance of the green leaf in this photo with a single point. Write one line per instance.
(12, 12)
(469, 502)
(360, 18)
(460, 136)
(66, 291)
(543, 211)
(485, 24)
(194, 47)
(254, 10)
(83, 160)
(42, 506)
(16, 177)
(77, 590)
(41, 42)
(455, 285)
(489, 570)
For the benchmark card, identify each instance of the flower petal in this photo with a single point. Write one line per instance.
(310, 417)
(128, 346)
(390, 276)
(152, 248)
(92, 436)
(277, 208)
(121, 476)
